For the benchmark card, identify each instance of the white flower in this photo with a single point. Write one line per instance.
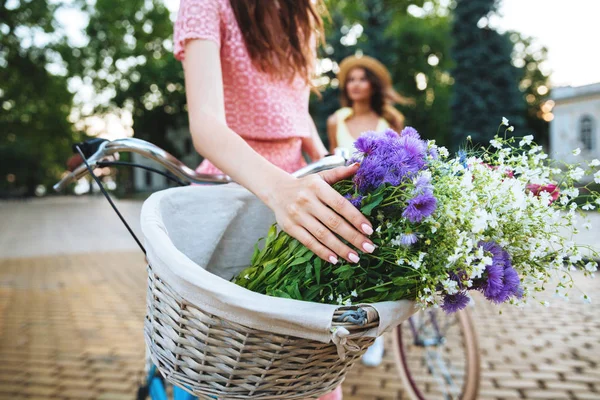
(577, 151)
(586, 299)
(348, 302)
(526, 140)
(330, 296)
(450, 286)
(597, 177)
(510, 128)
(479, 221)
(578, 173)
(443, 151)
(575, 258)
(354, 294)
(545, 304)
(587, 226)
(504, 121)
(496, 143)
(469, 138)
(588, 206)
(592, 266)
(571, 192)
(594, 163)
(246, 276)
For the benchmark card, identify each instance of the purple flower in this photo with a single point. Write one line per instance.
(455, 302)
(419, 207)
(423, 184)
(355, 200)
(388, 158)
(511, 284)
(408, 239)
(367, 142)
(500, 281)
(410, 131)
(433, 153)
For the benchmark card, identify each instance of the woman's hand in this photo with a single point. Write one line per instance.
(311, 211)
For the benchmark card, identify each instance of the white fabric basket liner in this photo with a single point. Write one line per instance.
(198, 237)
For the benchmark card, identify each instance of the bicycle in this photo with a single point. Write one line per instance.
(436, 354)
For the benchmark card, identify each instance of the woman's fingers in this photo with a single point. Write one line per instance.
(326, 237)
(334, 175)
(341, 205)
(308, 240)
(335, 223)
(310, 210)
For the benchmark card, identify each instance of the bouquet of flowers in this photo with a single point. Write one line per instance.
(496, 220)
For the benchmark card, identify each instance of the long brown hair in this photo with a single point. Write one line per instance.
(382, 101)
(279, 35)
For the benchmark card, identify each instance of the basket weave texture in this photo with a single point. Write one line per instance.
(214, 358)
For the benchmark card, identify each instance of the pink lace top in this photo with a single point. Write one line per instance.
(272, 116)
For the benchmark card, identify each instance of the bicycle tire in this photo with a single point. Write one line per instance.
(472, 373)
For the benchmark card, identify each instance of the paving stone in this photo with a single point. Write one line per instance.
(546, 394)
(499, 393)
(517, 384)
(587, 396)
(575, 386)
(67, 322)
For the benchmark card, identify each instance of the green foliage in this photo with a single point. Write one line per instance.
(404, 44)
(285, 268)
(486, 82)
(129, 60)
(533, 79)
(36, 135)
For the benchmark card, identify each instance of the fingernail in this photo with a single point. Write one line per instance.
(368, 247)
(367, 229)
(354, 164)
(333, 260)
(353, 257)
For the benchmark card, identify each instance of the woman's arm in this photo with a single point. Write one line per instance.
(332, 132)
(306, 208)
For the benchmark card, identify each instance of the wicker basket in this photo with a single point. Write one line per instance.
(214, 358)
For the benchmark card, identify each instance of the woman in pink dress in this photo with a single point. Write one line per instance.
(247, 71)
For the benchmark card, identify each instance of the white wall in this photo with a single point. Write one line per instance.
(565, 129)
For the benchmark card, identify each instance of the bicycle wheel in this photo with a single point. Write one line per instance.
(437, 356)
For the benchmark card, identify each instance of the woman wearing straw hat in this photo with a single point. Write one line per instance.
(367, 98)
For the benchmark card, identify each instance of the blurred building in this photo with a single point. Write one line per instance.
(576, 123)
(147, 181)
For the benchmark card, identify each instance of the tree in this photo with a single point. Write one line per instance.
(412, 47)
(486, 83)
(129, 62)
(530, 57)
(36, 133)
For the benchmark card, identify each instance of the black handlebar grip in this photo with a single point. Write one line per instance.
(89, 147)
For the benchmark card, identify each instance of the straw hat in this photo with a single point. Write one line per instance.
(376, 68)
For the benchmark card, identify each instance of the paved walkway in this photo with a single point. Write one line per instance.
(72, 302)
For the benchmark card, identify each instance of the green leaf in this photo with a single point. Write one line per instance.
(317, 266)
(368, 208)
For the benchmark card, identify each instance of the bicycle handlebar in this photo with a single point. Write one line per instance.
(175, 166)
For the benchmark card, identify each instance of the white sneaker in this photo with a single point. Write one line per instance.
(374, 354)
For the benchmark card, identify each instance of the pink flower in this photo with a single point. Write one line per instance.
(507, 172)
(550, 188)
